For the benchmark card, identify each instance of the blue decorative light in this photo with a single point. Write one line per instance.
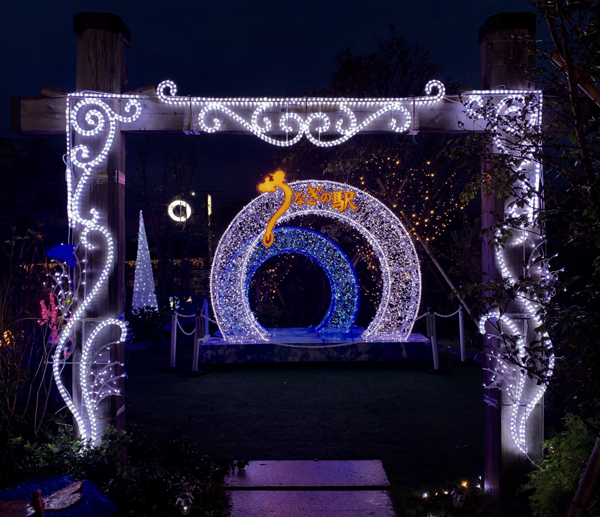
(342, 278)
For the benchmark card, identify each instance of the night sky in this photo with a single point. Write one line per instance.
(235, 48)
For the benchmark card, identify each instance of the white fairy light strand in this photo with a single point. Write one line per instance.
(306, 114)
(97, 379)
(524, 107)
(398, 261)
(100, 388)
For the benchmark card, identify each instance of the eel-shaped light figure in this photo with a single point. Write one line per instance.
(271, 183)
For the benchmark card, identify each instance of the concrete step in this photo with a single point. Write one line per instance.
(311, 503)
(309, 474)
(329, 488)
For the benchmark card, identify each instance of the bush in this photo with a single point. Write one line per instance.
(147, 483)
(146, 324)
(555, 479)
(157, 472)
(443, 503)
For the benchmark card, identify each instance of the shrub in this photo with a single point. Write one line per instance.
(146, 324)
(153, 474)
(555, 479)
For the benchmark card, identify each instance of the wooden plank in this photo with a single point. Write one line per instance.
(38, 115)
(46, 115)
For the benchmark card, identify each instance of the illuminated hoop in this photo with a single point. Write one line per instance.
(179, 218)
(398, 261)
(343, 308)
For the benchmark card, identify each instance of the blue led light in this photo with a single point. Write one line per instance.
(342, 278)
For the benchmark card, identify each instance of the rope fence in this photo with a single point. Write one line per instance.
(200, 335)
(202, 320)
(431, 334)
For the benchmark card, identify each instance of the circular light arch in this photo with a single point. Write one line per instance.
(398, 261)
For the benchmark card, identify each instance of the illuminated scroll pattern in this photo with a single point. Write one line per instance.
(90, 116)
(398, 261)
(299, 117)
(512, 116)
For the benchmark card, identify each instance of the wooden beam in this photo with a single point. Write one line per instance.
(38, 115)
(46, 115)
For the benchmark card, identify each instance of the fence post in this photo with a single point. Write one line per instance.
(205, 311)
(461, 331)
(197, 357)
(197, 341)
(173, 339)
(430, 319)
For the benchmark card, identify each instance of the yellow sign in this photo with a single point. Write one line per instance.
(314, 195)
(270, 184)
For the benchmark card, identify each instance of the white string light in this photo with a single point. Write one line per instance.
(299, 117)
(296, 117)
(511, 115)
(98, 379)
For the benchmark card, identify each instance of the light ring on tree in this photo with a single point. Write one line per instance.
(343, 308)
(185, 206)
(391, 243)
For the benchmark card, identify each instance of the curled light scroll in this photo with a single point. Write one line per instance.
(398, 261)
(343, 308)
(511, 116)
(93, 118)
(304, 117)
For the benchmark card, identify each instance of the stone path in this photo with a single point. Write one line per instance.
(355, 488)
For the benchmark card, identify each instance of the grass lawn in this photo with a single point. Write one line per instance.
(426, 429)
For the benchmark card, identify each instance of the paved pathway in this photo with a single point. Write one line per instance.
(310, 489)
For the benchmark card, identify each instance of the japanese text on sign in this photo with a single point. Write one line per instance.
(338, 199)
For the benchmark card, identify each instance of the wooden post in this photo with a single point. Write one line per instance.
(461, 334)
(506, 44)
(101, 42)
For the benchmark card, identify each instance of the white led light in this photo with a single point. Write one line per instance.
(99, 121)
(144, 294)
(299, 117)
(179, 217)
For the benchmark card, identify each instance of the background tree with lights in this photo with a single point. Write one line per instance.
(179, 246)
(410, 173)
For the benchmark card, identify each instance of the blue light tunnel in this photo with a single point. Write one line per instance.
(344, 285)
